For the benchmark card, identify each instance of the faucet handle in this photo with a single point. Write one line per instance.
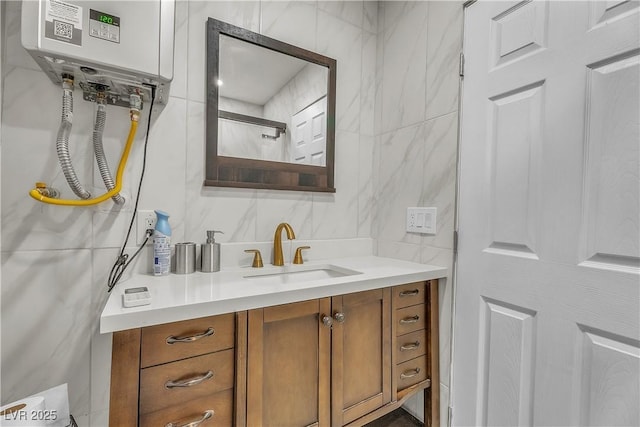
(297, 259)
(257, 258)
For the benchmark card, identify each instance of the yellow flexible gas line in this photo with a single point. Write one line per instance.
(115, 190)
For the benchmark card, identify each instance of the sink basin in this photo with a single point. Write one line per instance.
(302, 273)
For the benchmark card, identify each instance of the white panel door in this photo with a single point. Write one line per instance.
(547, 317)
(309, 134)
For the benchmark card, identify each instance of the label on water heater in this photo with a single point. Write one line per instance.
(63, 22)
(104, 26)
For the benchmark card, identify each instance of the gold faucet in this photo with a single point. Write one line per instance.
(278, 259)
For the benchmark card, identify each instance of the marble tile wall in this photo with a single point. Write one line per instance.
(395, 141)
(416, 142)
(55, 260)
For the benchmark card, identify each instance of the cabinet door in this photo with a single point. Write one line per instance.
(289, 366)
(361, 354)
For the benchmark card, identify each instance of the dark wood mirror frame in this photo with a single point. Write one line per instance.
(222, 171)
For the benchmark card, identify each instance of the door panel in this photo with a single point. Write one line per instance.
(548, 293)
(288, 365)
(361, 354)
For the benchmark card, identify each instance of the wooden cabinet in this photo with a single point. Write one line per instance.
(361, 354)
(176, 374)
(288, 365)
(337, 361)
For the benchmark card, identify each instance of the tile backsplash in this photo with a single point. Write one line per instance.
(55, 260)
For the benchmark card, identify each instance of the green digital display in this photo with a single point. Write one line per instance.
(105, 18)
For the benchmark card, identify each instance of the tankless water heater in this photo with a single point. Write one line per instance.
(121, 46)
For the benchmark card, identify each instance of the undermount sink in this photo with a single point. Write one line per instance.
(302, 273)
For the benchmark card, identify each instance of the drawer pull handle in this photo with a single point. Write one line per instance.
(413, 319)
(190, 382)
(192, 338)
(410, 293)
(410, 373)
(208, 414)
(410, 346)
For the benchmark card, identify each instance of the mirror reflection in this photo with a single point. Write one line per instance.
(271, 106)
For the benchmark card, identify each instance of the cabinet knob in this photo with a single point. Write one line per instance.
(339, 317)
(327, 321)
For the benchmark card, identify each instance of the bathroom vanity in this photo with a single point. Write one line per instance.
(333, 343)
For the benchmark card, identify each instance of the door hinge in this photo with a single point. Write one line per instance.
(455, 241)
(449, 416)
(461, 71)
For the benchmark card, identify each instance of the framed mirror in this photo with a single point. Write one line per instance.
(270, 113)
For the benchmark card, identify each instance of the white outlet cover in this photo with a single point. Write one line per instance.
(421, 220)
(145, 219)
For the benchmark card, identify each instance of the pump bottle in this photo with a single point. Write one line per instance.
(162, 245)
(211, 253)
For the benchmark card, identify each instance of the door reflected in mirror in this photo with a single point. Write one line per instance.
(270, 112)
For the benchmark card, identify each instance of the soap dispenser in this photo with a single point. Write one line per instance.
(210, 253)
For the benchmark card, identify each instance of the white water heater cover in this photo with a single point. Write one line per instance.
(123, 46)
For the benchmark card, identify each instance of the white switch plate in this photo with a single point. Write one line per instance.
(422, 220)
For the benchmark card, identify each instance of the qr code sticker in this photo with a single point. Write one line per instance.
(62, 29)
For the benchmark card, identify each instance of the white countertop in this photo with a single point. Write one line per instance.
(180, 297)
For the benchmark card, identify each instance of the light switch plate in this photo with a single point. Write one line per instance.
(422, 220)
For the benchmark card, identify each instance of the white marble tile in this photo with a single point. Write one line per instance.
(401, 177)
(405, 62)
(368, 84)
(245, 14)
(336, 215)
(181, 50)
(379, 81)
(444, 258)
(398, 250)
(29, 155)
(376, 190)
(214, 208)
(370, 16)
(444, 405)
(292, 207)
(15, 55)
(438, 189)
(100, 372)
(351, 11)
(165, 174)
(444, 44)
(292, 22)
(46, 324)
(366, 199)
(99, 419)
(343, 42)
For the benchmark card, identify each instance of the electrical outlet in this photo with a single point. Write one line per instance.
(421, 220)
(146, 219)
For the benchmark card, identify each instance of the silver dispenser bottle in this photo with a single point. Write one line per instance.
(211, 253)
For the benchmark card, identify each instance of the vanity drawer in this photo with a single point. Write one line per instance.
(410, 319)
(411, 345)
(409, 294)
(179, 340)
(167, 385)
(411, 372)
(221, 404)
